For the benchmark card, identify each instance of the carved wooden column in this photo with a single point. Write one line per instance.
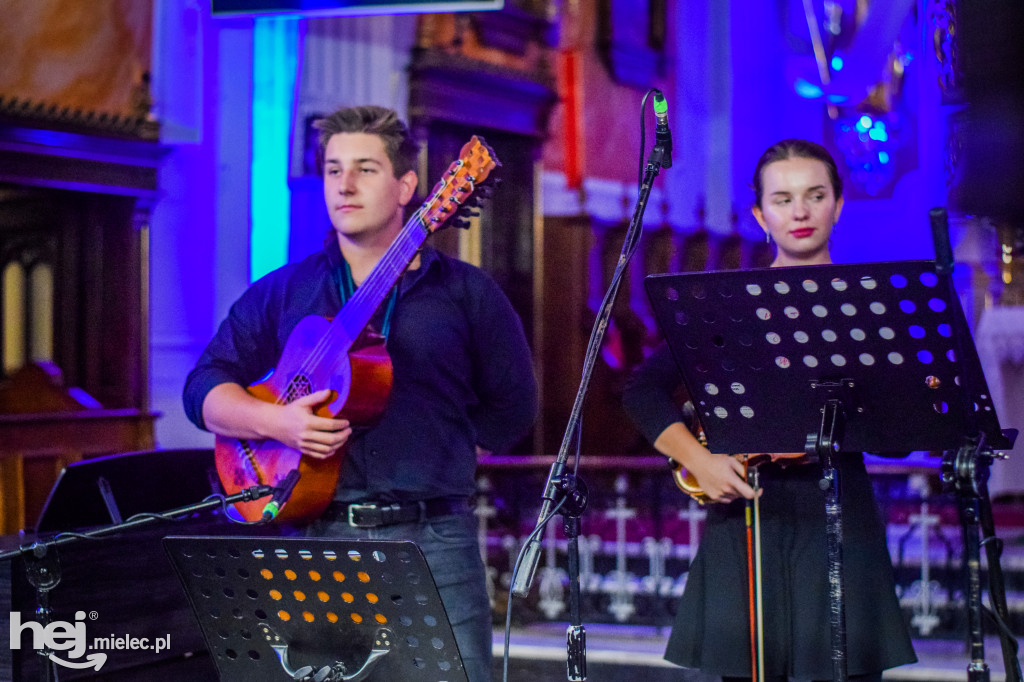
(93, 195)
(979, 50)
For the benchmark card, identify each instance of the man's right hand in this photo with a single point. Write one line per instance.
(301, 429)
(229, 410)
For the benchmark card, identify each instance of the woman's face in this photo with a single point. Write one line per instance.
(798, 210)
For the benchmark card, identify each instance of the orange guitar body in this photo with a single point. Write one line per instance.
(359, 387)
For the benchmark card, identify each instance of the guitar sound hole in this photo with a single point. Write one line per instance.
(298, 388)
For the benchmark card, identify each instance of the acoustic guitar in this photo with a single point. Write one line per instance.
(338, 355)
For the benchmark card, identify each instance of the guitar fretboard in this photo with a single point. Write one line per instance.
(356, 314)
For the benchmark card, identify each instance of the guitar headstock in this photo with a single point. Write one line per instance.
(454, 193)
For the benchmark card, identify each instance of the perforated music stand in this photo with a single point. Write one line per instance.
(273, 607)
(761, 351)
(827, 359)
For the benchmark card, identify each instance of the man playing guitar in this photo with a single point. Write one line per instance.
(457, 364)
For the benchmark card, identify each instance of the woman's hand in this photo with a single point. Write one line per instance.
(721, 477)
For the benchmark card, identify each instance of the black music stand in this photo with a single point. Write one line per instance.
(106, 490)
(826, 359)
(320, 609)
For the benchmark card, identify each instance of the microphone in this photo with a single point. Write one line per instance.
(281, 494)
(531, 555)
(662, 135)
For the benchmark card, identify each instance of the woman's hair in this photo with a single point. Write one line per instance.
(796, 148)
(399, 145)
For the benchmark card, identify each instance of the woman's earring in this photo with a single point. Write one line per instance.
(767, 237)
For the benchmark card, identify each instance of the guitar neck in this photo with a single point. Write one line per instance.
(358, 311)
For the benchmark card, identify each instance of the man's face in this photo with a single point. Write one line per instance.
(364, 198)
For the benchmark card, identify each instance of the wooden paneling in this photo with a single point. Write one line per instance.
(45, 426)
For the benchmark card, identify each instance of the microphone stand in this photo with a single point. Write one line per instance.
(560, 484)
(965, 471)
(42, 564)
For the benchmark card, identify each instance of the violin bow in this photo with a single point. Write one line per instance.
(754, 593)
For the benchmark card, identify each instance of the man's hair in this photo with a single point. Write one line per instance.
(795, 148)
(401, 149)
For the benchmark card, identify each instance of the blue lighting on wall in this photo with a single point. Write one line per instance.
(275, 62)
(807, 89)
(837, 63)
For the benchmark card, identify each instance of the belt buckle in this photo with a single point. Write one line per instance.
(352, 508)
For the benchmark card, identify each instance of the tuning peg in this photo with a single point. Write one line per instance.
(460, 222)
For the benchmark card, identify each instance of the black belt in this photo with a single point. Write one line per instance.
(375, 514)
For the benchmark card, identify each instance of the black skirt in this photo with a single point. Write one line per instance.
(711, 630)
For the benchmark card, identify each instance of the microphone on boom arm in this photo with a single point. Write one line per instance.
(662, 135)
(281, 494)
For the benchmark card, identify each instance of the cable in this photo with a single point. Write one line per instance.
(512, 581)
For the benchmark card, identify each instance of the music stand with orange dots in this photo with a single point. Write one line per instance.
(319, 609)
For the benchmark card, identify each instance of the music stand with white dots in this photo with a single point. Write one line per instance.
(760, 349)
(826, 359)
(320, 609)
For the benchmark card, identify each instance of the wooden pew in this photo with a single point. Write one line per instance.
(44, 426)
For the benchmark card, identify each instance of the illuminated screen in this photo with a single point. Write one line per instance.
(327, 8)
